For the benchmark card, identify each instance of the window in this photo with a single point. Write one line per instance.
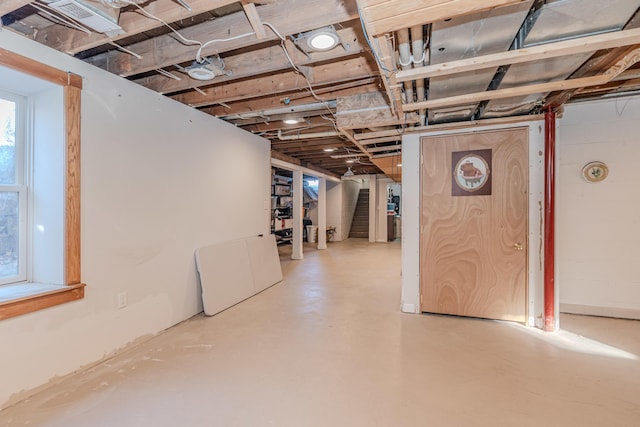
(24, 297)
(13, 193)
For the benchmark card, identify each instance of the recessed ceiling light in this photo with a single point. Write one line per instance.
(323, 40)
(329, 150)
(291, 121)
(317, 40)
(201, 72)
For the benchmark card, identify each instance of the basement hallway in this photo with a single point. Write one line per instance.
(329, 346)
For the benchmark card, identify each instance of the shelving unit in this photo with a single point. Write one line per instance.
(281, 209)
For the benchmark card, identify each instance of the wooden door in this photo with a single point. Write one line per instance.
(473, 242)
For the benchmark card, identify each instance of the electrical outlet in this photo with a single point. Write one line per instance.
(122, 300)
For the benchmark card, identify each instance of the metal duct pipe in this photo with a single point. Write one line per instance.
(419, 57)
(404, 53)
(299, 136)
(281, 110)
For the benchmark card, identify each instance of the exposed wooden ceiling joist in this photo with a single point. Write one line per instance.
(528, 54)
(285, 158)
(288, 17)
(266, 60)
(322, 75)
(254, 19)
(132, 22)
(282, 100)
(385, 16)
(607, 76)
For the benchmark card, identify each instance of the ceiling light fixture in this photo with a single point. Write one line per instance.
(207, 69)
(329, 150)
(349, 172)
(350, 161)
(318, 40)
(291, 121)
(324, 40)
(399, 165)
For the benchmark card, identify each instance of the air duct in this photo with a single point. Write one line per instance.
(299, 136)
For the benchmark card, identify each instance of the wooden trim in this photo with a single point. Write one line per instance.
(528, 54)
(37, 69)
(72, 187)
(41, 301)
(72, 88)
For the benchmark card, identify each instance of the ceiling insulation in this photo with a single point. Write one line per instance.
(559, 20)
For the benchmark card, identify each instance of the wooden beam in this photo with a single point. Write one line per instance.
(612, 87)
(165, 50)
(294, 99)
(254, 19)
(397, 147)
(265, 60)
(611, 73)
(131, 20)
(363, 136)
(367, 110)
(385, 53)
(528, 54)
(304, 150)
(349, 134)
(380, 140)
(387, 16)
(322, 75)
(592, 67)
(37, 69)
(286, 158)
(389, 166)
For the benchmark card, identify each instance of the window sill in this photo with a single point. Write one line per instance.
(23, 298)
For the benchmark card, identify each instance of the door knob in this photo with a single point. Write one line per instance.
(518, 246)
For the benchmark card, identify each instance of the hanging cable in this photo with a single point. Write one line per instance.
(125, 50)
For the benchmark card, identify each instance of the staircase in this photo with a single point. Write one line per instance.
(360, 223)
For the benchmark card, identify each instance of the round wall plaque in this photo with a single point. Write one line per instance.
(595, 172)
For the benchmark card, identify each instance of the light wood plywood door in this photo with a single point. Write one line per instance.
(473, 243)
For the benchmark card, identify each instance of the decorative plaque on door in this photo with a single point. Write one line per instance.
(471, 173)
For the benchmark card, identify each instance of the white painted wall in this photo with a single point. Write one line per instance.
(334, 208)
(47, 198)
(598, 225)
(350, 191)
(381, 208)
(159, 179)
(373, 207)
(411, 218)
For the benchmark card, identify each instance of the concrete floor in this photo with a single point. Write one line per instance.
(328, 346)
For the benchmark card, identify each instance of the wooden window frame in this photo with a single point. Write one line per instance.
(73, 288)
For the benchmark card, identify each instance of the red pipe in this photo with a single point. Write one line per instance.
(549, 220)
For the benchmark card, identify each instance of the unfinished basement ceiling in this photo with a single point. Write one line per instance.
(400, 66)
